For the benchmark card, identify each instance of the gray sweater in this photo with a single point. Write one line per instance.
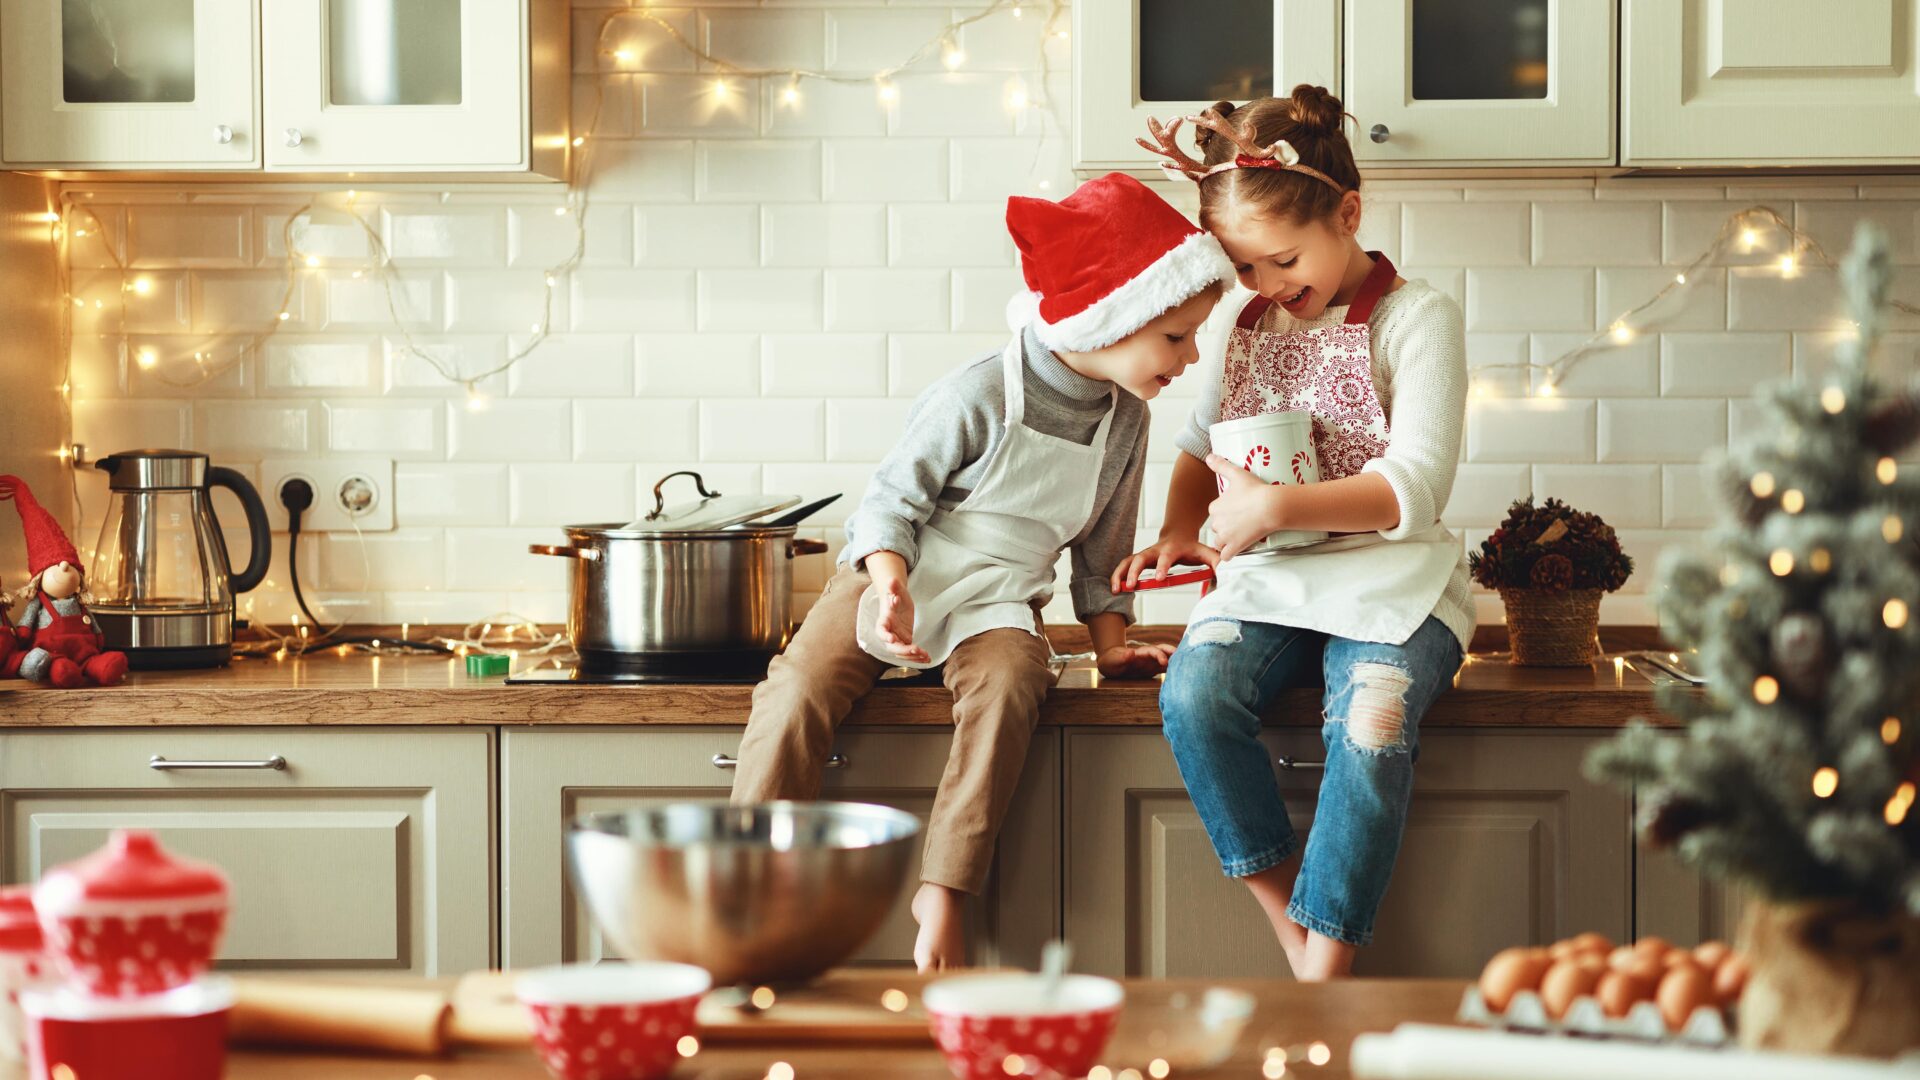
(952, 432)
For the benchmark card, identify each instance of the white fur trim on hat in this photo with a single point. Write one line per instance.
(1171, 280)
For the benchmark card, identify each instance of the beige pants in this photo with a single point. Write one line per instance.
(998, 680)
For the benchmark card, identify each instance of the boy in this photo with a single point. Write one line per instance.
(950, 555)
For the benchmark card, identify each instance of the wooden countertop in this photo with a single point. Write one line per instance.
(329, 689)
(1287, 1015)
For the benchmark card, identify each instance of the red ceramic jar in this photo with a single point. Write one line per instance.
(130, 919)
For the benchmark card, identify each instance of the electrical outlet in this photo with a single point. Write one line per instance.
(346, 492)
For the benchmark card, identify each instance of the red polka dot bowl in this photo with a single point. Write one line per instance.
(1001, 1025)
(613, 1021)
(130, 919)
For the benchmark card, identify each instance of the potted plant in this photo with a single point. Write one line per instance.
(1550, 563)
(1796, 774)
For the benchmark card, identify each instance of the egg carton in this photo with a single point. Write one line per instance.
(1707, 1027)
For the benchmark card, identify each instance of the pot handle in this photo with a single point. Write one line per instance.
(660, 500)
(565, 551)
(802, 546)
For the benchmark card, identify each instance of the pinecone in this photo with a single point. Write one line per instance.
(1800, 653)
(1666, 817)
(1552, 572)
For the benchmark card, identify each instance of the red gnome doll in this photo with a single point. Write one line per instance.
(9, 638)
(62, 646)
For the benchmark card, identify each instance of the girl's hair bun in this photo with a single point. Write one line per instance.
(1204, 138)
(1315, 109)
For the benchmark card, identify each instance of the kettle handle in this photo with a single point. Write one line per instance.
(258, 531)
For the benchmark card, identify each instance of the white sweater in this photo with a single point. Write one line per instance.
(1419, 349)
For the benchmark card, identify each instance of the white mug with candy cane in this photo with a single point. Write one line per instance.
(1278, 448)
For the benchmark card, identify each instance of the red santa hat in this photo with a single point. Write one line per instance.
(1105, 261)
(46, 544)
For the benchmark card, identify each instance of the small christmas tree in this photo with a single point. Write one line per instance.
(1797, 770)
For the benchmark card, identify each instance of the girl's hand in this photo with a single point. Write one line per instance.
(894, 625)
(1245, 512)
(1161, 556)
(1134, 661)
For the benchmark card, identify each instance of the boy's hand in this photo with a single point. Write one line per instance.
(1161, 556)
(894, 625)
(1246, 511)
(1134, 661)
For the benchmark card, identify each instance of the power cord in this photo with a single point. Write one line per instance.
(297, 496)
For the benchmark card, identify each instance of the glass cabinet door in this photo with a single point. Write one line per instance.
(129, 83)
(397, 85)
(1165, 58)
(1465, 82)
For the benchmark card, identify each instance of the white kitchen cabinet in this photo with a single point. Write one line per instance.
(471, 88)
(1756, 82)
(130, 84)
(369, 849)
(1165, 58)
(551, 775)
(1480, 82)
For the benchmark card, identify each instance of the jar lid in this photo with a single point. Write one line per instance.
(19, 926)
(131, 868)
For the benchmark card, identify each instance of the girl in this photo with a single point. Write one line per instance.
(1380, 615)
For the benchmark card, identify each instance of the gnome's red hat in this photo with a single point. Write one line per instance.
(46, 544)
(1105, 261)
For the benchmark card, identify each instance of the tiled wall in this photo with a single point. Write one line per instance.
(766, 287)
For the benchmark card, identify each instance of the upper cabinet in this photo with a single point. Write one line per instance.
(1755, 82)
(1164, 58)
(289, 86)
(1480, 82)
(130, 84)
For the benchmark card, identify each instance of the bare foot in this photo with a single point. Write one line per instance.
(942, 941)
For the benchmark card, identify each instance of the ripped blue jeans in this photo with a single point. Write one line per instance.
(1225, 674)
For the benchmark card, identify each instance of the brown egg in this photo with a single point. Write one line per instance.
(1511, 971)
(1619, 992)
(1592, 941)
(1621, 956)
(1560, 950)
(1566, 980)
(1652, 945)
(1729, 979)
(1684, 989)
(1679, 956)
(1709, 954)
(1642, 966)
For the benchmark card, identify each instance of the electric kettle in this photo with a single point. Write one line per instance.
(161, 581)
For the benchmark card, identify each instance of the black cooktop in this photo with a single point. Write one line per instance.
(573, 676)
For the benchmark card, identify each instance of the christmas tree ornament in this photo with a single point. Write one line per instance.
(1800, 654)
(63, 644)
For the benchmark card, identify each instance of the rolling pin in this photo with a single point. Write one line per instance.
(416, 1021)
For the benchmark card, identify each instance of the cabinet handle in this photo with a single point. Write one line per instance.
(1379, 133)
(276, 763)
(294, 138)
(723, 761)
(1286, 762)
(222, 134)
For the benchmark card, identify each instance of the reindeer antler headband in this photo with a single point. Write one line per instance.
(1280, 155)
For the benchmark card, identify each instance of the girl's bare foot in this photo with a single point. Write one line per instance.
(942, 941)
(1273, 888)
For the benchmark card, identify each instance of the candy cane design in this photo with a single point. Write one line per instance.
(1265, 455)
(1300, 458)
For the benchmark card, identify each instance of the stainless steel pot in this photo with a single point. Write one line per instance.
(691, 599)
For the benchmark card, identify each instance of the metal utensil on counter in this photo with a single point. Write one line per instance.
(791, 517)
(775, 893)
(1055, 955)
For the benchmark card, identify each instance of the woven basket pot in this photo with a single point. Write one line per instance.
(1830, 978)
(1553, 628)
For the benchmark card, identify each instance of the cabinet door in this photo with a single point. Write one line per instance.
(398, 85)
(1466, 82)
(1505, 844)
(1138, 58)
(1672, 900)
(130, 83)
(551, 776)
(1748, 82)
(370, 850)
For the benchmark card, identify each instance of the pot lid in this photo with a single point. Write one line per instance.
(19, 926)
(132, 867)
(711, 511)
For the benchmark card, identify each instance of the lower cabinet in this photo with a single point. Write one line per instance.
(369, 849)
(1506, 843)
(551, 775)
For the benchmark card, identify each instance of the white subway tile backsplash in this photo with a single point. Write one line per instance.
(949, 235)
(1481, 494)
(747, 300)
(818, 480)
(490, 559)
(569, 494)
(956, 104)
(772, 429)
(444, 494)
(1489, 364)
(163, 235)
(1529, 430)
(540, 239)
(767, 39)
(445, 235)
(703, 106)
(572, 365)
(990, 169)
(1464, 234)
(361, 303)
(864, 429)
(1761, 298)
(650, 300)
(1630, 369)
(698, 365)
(509, 431)
(296, 365)
(698, 236)
(1627, 496)
(1701, 305)
(863, 40)
(650, 45)
(644, 430)
(1832, 224)
(1646, 546)
(403, 559)
(1690, 228)
(502, 301)
(408, 432)
(828, 234)
(642, 170)
(980, 298)
(1589, 233)
(825, 365)
(1687, 499)
(234, 427)
(1529, 299)
(1722, 365)
(443, 365)
(824, 109)
(107, 426)
(764, 170)
(877, 170)
(1380, 223)
(917, 361)
(240, 301)
(1661, 431)
(884, 300)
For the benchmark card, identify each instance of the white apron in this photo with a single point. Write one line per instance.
(984, 562)
(1358, 586)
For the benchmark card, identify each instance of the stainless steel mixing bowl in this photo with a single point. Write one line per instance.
(775, 893)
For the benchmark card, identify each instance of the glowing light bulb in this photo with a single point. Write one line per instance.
(1891, 530)
(1793, 501)
(1820, 560)
(1788, 264)
(1894, 613)
(1762, 485)
(284, 316)
(1017, 98)
(1018, 11)
(1766, 689)
(1622, 333)
(476, 402)
(1547, 390)
(721, 89)
(146, 357)
(1900, 803)
(1748, 238)
(625, 56)
(352, 194)
(1825, 781)
(953, 58)
(1885, 470)
(1780, 562)
(312, 261)
(687, 1046)
(579, 140)
(559, 211)
(142, 285)
(1679, 279)
(1890, 730)
(1833, 399)
(79, 303)
(791, 95)
(888, 92)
